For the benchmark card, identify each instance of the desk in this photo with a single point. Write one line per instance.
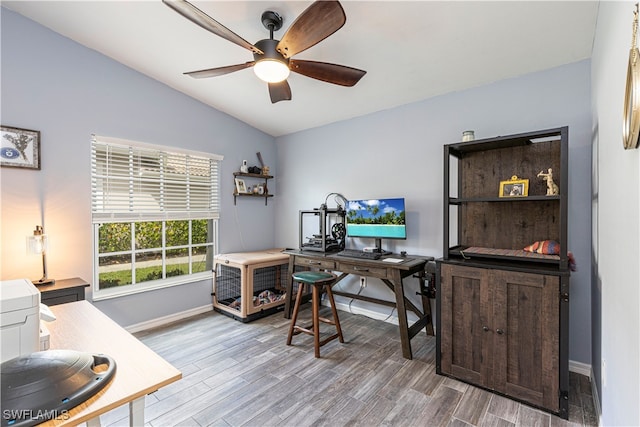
(139, 371)
(391, 275)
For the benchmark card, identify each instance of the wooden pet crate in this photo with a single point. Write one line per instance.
(250, 285)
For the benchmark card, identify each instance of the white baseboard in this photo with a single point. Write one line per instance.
(160, 321)
(580, 368)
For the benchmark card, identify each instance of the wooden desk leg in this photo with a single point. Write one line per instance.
(426, 304)
(136, 412)
(289, 297)
(403, 324)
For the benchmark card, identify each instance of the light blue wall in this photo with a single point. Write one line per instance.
(616, 242)
(399, 152)
(54, 85)
(68, 92)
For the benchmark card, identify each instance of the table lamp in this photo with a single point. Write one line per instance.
(37, 244)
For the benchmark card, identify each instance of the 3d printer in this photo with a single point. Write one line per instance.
(330, 230)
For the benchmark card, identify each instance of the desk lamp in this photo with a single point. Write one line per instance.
(37, 244)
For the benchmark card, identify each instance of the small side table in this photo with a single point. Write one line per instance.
(63, 291)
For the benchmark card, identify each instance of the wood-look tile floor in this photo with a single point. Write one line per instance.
(244, 374)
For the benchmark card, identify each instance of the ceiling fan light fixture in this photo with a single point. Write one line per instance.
(271, 58)
(271, 66)
(271, 70)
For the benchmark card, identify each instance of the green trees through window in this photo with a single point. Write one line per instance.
(136, 252)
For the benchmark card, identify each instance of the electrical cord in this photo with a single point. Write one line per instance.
(237, 222)
(359, 292)
(353, 299)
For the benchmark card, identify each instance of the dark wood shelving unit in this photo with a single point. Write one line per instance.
(504, 312)
(266, 178)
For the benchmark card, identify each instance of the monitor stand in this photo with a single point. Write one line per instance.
(379, 249)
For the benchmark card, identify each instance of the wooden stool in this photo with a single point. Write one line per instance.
(317, 279)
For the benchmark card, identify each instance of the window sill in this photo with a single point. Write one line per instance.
(117, 292)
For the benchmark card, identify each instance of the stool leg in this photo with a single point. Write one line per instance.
(316, 319)
(336, 319)
(294, 316)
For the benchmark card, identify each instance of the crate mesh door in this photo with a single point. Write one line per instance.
(268, 287)
(228, 285)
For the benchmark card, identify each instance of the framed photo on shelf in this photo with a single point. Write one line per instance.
(515, 187)
(20, 148)
(241, 187)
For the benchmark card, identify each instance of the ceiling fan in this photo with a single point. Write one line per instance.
(272, 58)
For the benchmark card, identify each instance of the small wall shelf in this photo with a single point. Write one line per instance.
(266, 178)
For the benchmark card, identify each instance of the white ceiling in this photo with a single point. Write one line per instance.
(411, 50)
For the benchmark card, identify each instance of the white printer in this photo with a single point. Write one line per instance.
(20, 311)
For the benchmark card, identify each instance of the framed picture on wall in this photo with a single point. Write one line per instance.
(19, 148)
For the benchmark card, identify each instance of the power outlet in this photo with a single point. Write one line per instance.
(363, 282)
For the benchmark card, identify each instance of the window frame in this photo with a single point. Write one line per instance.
(134, 288)
(100, 214)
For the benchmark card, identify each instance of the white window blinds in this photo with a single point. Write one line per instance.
(133, 181)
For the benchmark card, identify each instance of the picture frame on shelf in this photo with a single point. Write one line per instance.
(514, 187)
(241, 186)
(19, 148)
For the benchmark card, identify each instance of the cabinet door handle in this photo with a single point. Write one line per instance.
(314, 262)
(499, 331)
(360, 269)
(485, 328)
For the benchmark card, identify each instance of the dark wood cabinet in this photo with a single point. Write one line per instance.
(500, 330)
(63, 291)
(503, 312)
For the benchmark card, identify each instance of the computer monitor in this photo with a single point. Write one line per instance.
(377, 219)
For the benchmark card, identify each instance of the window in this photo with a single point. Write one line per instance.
(154, 213)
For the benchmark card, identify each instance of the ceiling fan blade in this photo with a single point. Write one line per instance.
(197, 16)
(315, 24)
(280, 91)
(220, 71)
(330, 73)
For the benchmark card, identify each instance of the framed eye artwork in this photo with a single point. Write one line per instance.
(19, 148)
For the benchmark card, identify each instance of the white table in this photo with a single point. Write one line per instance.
(139, 371)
